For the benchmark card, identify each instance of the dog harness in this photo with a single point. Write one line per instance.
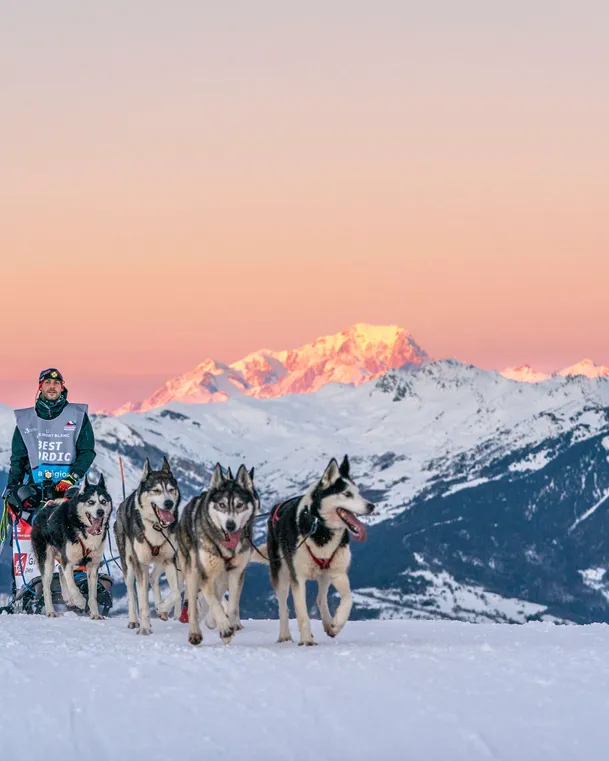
(85, 552)
(276, 509)
(154, 548)
(323, 563)
(227, 561)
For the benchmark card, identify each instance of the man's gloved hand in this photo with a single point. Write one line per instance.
(12, 501)
(66, 483)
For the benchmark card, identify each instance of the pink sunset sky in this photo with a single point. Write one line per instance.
(184, 180)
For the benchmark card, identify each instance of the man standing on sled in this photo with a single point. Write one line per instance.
(53, 445)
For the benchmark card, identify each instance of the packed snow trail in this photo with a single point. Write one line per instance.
(72, 689)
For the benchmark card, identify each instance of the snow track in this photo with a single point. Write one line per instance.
(74, 689)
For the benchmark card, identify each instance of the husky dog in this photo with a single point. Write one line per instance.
(214, 537)
(145, 531)
(308, 538)
(72, 531)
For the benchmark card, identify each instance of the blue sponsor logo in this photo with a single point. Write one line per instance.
(45, 472)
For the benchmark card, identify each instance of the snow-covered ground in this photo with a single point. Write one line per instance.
(75, 689)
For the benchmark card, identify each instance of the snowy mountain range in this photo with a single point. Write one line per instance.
(354, 356)
(491, 493)
(527, 374)
(359, 354)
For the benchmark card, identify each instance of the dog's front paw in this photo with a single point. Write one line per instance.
(52, 614)
(226, 634)
(237, 626)
(133, 625)
(307, 643)
(144, 630)
(79, 601)
(195, 639)
(332, 629)
(284, 638)
(163, 608)
(96, 617)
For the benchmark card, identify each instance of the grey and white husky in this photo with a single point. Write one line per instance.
(145, 531)
(214, 538)
(72, 531)
(308, 538)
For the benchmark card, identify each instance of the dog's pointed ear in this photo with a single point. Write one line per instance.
(102, 482)
(166, 467)
(229, 474)
(345, 467)
(83, 484)
(147, 469)
(331, 474)
(243, 478)
(217, 477)
(252, 474)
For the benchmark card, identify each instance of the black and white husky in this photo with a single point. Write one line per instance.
(145, 531)
(308, 538)
(214, 537)
(72, 531)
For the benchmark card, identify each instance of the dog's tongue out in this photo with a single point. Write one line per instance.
(95, 527)
(166, 516)
(231, 540)
(355, 526)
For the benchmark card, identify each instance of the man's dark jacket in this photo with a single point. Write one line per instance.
(85, 444)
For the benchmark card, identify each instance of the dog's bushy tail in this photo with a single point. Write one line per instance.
(260, 554)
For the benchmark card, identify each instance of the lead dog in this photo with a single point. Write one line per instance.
(145, 531)
(308, 538)
(72, 531)
(214, 537)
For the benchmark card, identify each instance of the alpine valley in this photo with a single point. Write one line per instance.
(492, 489)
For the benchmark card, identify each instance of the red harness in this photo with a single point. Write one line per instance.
(228, 562)
(85, 552)
(323, 563)
(275, 512)
(154, 548)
